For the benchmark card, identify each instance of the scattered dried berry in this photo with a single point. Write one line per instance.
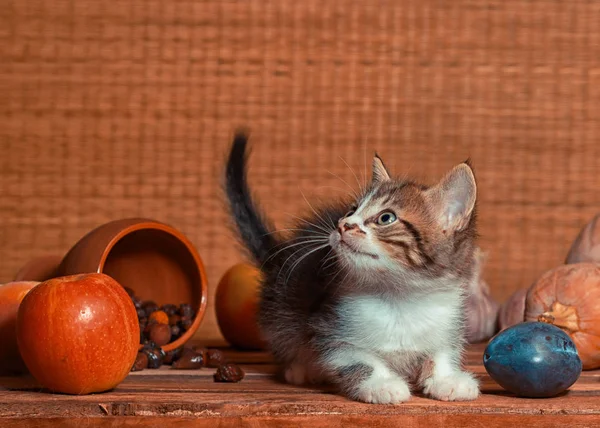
(141, 362)
(175, 332)
(160, 317)
(201, 350)
(148, 344)
(173, 355)
(149, 327)
(160, 334)
(150, 307)
(186, 310)
(189, 360)
(155, 358)
(169, 309)
(185, 323)
(174, 319)
(229, 373)
(177, 319)
(214, 358)
(137, 302)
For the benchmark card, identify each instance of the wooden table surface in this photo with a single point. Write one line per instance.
(167, 397)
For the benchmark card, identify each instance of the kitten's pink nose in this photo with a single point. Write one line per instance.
(346, 227)
(349, 226)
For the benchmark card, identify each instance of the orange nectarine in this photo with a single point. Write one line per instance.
(11, 295)
(236, 305)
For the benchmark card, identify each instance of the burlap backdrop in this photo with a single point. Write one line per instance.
(113, 109)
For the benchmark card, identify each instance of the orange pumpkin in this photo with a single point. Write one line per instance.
(569, 297)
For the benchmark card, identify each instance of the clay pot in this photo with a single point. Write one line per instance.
(153, 259)
(39, 269)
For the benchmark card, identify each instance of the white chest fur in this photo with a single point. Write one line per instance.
(412, 325)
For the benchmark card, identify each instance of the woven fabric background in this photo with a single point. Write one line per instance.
(112, 109)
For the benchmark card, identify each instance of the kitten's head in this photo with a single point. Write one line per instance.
(401, 226)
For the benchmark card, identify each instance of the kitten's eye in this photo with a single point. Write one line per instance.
(349, 213)
(386, 218)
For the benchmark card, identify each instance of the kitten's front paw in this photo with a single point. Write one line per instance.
(460, 386)
(382, 391)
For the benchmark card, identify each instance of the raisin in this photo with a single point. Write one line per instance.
(229, 373)
(155, 358)
(214, 358)
(173, 355)
(150, 307)
(189, 360)
(174, 319)
(169, 309)
(185, 323)
(148, 344)
(175, 332)
(137, 302)
(186, 310)
(149, 325)
(141, 362)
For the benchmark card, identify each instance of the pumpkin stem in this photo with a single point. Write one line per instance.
(561, 316)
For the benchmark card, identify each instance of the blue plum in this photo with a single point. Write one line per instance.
(533, 359)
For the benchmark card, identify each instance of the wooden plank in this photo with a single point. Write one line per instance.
(317, 421)
(192, 398)
(257, 402)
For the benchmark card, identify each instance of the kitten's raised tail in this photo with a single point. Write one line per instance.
(254, 230)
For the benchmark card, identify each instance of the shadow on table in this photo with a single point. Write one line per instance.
(19, 383)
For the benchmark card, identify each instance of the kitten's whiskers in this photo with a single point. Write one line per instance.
(327, 261)
(302, 220)
(295, 230)
(297, 262)
(324, 223)
(308, 240)
(337, 188)
(346, 183)
(355, 176)
(296, 252)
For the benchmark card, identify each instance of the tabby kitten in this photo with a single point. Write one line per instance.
(369, 295)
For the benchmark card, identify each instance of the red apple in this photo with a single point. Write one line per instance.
(11, 295)
(78, 334)
(236, 306)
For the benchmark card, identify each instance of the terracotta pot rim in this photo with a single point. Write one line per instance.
(147, 224)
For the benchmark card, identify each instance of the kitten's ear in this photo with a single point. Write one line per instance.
(380, 173)
(453, 198)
